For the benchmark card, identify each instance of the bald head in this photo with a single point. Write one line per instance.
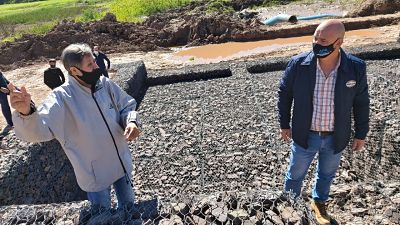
(332, 27)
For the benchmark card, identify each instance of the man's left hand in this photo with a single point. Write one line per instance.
(131, 131)
(357, 144)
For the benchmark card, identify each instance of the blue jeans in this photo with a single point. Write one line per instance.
(300, 160)
(123, 190)
(5, 108)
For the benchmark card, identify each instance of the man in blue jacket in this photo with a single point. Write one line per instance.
(324, 86)
(100, 57)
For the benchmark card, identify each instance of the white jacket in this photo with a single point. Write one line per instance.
(70, 115)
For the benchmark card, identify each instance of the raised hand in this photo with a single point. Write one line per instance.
(20, 100)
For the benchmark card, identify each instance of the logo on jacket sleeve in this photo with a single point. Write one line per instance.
(350, 83)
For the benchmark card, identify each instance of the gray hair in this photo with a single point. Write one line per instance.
(72, 55)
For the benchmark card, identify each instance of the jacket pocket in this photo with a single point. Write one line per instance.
(103, 173)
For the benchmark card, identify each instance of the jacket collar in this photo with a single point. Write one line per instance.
(344, 61)
(308, 59)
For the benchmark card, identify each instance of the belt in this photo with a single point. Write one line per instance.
(322, 133)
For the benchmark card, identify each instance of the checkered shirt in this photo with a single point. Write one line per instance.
(323, 100)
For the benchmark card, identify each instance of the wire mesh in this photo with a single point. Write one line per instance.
(209, 153)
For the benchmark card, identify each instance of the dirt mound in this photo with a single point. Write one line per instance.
(376, 7)
(112, 35)
(242, 4)
(158, 31)
(199, 28)
(186, 25)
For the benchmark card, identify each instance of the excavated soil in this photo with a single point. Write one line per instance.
(189, 25)
(375, 7)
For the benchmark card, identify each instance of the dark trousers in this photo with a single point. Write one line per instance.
(104, 72)
(5, 108)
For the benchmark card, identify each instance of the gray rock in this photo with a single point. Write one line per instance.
(174, 220)
(132, 78)
(290, 215)
(359, 211)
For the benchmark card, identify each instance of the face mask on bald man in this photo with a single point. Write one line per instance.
(323, 51)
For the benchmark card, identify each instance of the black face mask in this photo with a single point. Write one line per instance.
(323, 51)
(90, 78)
(52, 66)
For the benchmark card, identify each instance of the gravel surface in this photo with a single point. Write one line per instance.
(231, 125)
(36, 174)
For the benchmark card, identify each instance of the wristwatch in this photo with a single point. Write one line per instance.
(32, 109)
(138, 125)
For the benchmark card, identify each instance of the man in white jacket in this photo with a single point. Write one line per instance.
(92, 118)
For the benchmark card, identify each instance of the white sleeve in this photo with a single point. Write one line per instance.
(35, 127)
(126, 105)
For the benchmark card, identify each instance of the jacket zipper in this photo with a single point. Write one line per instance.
(128, 180)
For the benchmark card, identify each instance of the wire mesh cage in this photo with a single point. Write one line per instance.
(210, 153)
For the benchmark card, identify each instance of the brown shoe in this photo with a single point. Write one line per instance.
(319, 209)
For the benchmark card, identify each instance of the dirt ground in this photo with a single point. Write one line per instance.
(32, 76)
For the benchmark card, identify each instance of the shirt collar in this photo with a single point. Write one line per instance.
(336, 67)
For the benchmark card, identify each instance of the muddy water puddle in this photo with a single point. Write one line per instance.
(230, 50)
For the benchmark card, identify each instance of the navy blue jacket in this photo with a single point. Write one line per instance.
(100, 61)
(297, 89)
(3, 80)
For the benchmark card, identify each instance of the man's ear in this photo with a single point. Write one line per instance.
(339, 42)
(75, 71)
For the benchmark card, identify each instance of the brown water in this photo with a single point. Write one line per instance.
(238, 49)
